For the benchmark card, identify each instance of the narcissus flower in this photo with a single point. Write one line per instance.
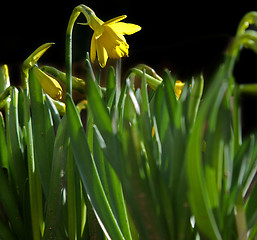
(108, 39)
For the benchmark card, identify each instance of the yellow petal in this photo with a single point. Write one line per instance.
(102, 54)
(93, 49)
(121, 50)
(125, 28)
(116, 19)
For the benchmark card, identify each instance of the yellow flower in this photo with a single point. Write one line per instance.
(108, 39)
(50, 85)
(178, 88)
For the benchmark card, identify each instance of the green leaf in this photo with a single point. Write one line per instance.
(104, 124)
(198, 193)
(4, 78)
(43, 150)
(171, 101)
(10, 205)
(35, 188)
(35, 56)
(18, 163)
(57, 181)
(137, 186)
(194, 99)
(89, 174)
(112, 186)
(5, 232)
(3, 148)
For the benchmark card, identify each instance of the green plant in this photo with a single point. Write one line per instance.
(145, 163)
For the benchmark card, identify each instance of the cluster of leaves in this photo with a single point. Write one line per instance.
(129, 163)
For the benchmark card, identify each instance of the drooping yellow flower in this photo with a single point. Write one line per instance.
(108, 39)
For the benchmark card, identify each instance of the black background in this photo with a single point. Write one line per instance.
(186, 37)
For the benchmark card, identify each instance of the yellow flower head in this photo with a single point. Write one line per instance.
(108, 39)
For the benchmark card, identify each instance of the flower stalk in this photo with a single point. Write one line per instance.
(68, 44)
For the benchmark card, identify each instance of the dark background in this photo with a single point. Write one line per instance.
(186, 37)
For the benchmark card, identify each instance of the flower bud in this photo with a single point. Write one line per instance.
(50, 85)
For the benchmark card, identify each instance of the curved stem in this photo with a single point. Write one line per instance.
(68, 43)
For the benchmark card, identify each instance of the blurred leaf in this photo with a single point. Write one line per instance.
(198, 193)
(5, 232)
(137, 186)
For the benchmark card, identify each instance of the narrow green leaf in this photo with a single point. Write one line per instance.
(36, 55)
(4, 84)
(137, 187)
(3, 148)
(71, 198)
(113, 189)
(19, 169)
(35, 188)
(4, 78)
(251, 208)
(42, 153)
(104, 124)
(54, 112)
(89, 174)
(194, 99)
(169, 90)
(10, 205)
(57, 180)
(198, 193)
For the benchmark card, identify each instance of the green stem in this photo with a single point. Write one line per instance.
(68, 43)
(240, 217)
(118, 80)
(237, 119)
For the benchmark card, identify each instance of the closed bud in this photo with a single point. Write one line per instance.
(50, 85)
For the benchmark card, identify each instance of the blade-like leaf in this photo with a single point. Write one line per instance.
(57, 180)
(89, 174)
(43, 151)
(104, 124)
